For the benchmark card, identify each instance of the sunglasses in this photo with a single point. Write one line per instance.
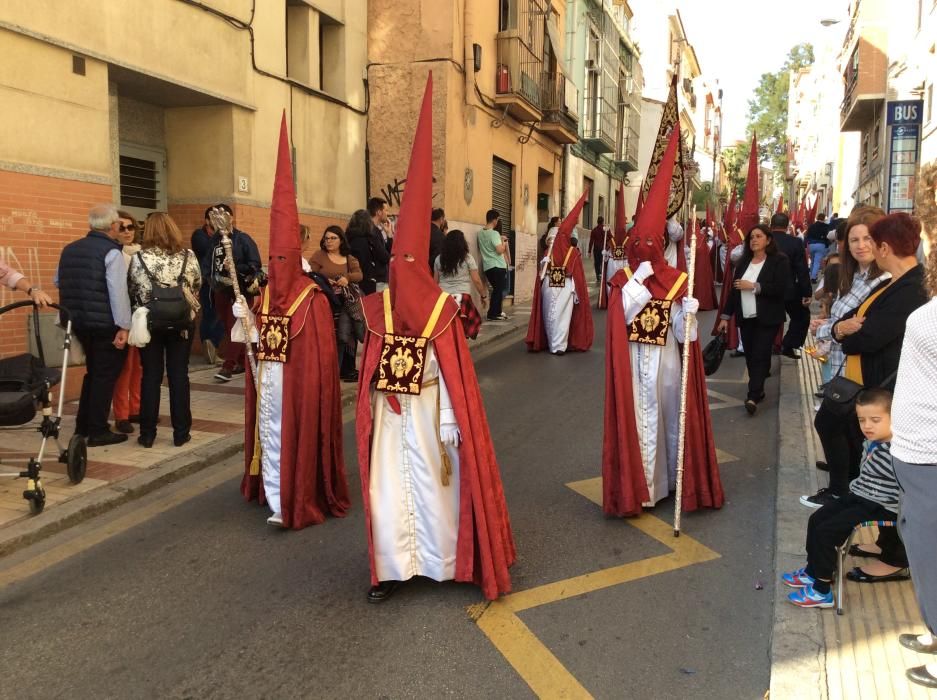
(122, 228)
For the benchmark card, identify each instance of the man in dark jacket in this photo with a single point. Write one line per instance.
(817, 239)
(249, 269)
(799, 292)
(437, 234)
(92, 281)
(380, 236)
(211, 329)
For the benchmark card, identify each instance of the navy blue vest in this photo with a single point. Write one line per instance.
(83, 283)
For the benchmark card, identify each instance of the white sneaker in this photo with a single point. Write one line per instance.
(276, 520)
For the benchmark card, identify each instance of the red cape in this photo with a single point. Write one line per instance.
(624, 487)
(312, 462)
(485, 547)
(581, 329)
(703, 286)
(732, 334)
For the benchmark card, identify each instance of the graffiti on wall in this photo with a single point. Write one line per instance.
(25, 258)
(392, 192)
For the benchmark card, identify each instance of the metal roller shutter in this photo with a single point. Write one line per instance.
(502, 188)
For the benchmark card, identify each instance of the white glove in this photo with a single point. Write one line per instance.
(449, 435)
(239, 308)
(690, 305)
(674, 231)
(606, 255)
(736, 253)
(644, 271)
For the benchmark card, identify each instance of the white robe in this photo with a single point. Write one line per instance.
(612, 266)
(656, 372)
(269, 418)
(556, 306)
(414, 518)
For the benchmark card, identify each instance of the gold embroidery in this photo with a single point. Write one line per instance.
(400, 370)
(652, 325)
(618, 252)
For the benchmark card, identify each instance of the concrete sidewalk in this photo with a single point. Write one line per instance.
(120, 473)
(817, 653)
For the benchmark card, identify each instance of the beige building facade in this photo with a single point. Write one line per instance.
(503, 109)
(174, 105)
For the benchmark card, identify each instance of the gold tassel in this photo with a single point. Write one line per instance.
(255, 458)
(446, 470)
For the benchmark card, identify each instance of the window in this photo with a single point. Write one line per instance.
(587, 186)
(507, 15)
(315, 51)
(142, 179)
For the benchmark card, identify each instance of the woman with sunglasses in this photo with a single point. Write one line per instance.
(126, 401)
(334, 261)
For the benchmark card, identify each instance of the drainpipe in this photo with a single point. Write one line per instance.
(561, 213)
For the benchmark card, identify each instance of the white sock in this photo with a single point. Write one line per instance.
(932, 669)
(926, 639)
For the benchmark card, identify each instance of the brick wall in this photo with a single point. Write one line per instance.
(38, 216)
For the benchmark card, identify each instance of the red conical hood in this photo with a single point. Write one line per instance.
(780, 209)
(646, 240)
(749, 214)
(285, 272)
(564, 235)
(812, 212)
(621, 221)
(709, 218)
(413, 293)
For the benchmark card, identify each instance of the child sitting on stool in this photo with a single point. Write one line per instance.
(873, 495)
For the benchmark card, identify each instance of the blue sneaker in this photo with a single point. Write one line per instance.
(809, 598)
(797, 579)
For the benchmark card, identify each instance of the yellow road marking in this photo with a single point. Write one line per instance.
(539, 668)
(536, 664)
(61, 552)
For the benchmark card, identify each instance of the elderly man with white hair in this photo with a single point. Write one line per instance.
(92, 281)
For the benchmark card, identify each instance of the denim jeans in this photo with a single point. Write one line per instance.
(817, 252)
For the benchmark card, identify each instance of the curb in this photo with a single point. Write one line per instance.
(798, 647)
(46, 524)
(101, 500)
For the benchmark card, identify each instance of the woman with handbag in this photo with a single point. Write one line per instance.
(871, 337)
(456, 271)
(163, 281)
(335, 261)
(757, 301)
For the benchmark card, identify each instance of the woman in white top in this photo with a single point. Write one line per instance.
(757, 301)
(456, 271)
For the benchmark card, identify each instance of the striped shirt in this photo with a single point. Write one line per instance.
(861, 286)
(876, 481)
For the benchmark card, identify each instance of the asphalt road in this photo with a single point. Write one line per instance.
(187, 594)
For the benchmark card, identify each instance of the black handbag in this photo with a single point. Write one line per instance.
(168, 308)
(713, 353)
(839, 395)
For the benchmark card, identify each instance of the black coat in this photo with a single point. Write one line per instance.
(878, 342)
(774, 280)
(436, 237)
(793, 248)
(371, 251)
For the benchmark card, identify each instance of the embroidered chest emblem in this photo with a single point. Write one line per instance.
(618, 252)
(403, 359)
(652, 324)
(557, 276)
(274, 338)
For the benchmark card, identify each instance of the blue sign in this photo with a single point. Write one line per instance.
(905, 112)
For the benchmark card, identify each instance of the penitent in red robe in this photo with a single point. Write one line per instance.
(485, 545)
(312, 462)
(624, 485)
(581, 328)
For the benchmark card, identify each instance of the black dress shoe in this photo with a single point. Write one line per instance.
(910, 641)
(351, 377)
(857, 551)
(124, 426)
(134, 418)
(107, 438)
(736, 353)
(751, 407)
(859, 576)
(382, 591)
(791, 353)
(180, 441)
(919, 675)
(824, 467)
(146, 440)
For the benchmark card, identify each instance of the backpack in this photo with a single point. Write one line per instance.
(169, 309)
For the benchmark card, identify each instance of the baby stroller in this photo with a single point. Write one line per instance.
(25, 385)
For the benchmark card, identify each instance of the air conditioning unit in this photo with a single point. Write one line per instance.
(628, 86)
(592, 65)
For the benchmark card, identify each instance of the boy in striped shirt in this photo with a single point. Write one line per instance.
(873, 495)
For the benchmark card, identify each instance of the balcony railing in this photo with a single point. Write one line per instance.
(519, 69)
(559, 100)
(599, 121)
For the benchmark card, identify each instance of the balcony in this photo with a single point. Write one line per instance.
(518, 78)
(865, 81)
(560, 97)
(598, 122)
